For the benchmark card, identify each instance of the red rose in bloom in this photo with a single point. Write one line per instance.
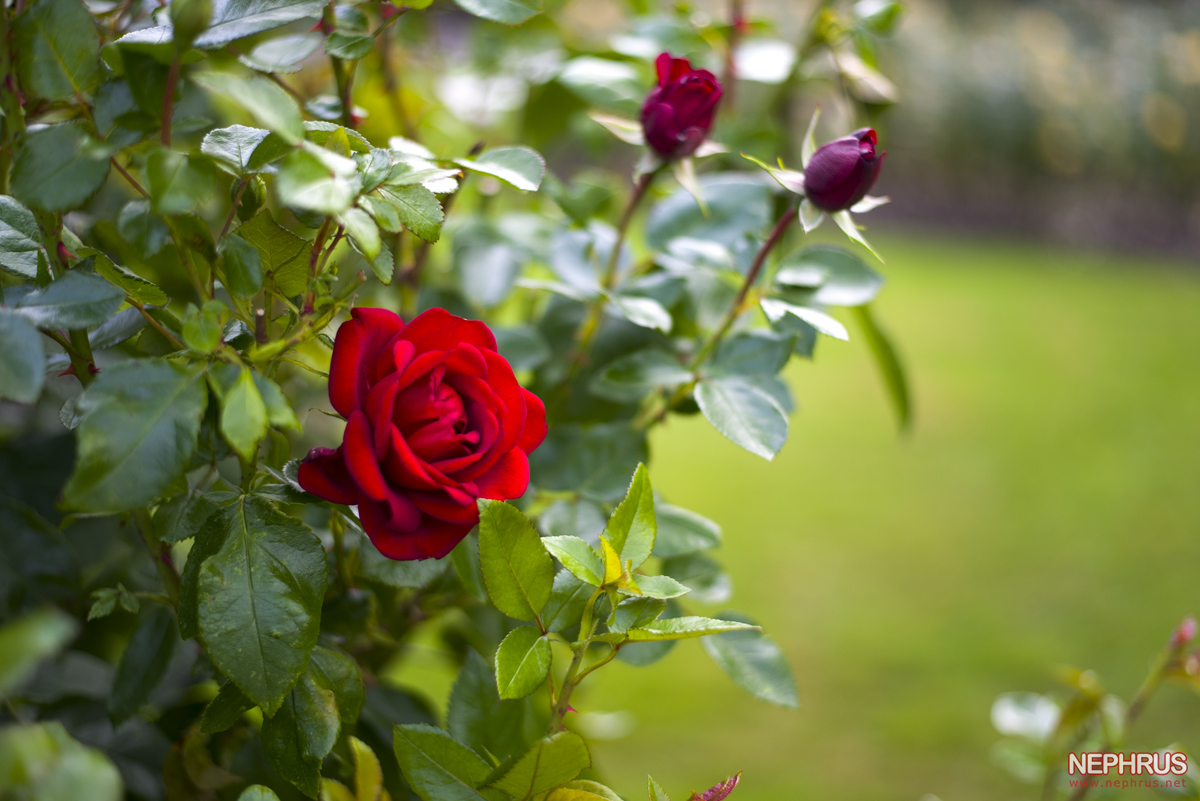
(434, 420)
(841, 172)
(678, 113)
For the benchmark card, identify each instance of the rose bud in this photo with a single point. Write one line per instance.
(435, 420)
(841, 172)
(678, 113)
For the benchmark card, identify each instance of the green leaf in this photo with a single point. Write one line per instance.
(738, 203)
(142, 228)
(283, 53)
(235, 19)
(486, 264)
(208, 541)
(179, 183)
(243, 266)
(77, 300)
(260, 600)
(22, 359)
(362, 231)
(58, 50)
(663, 587)
(271, 106)
(551, 762)
(657, 793)
(202, 327)
(27, 641)
(134, 285)
(522, 662)
(745, 414)
(349, 46)
(634, 375)
(413, 574)
(582, 790)
(595, 461)
(753, 353)
(840, 277)
(478, 718)
(335, 671)
(676, 628)
(244, 415)
(144, 663)
(631, 528)
(181, 517)
(506, 12)
(59, 168)
(301, 733)
(519, 167)
(314, 179)
(681, 531)
(708, 582)
(437, 767)
(37, 564)
(42, 762)
(284, 255)
(568, 597)
(578, 557)
(517, 571)
(634, 612)
(889, 365)
(240, 150)
(646, 312)
(225, 709)
(138, 429)
(775, 309)
(20, 239)
(850, 229)
(755, 663)
(417, 208)
(522, 346)
(368, 773)
(256, 792)
(465, 557)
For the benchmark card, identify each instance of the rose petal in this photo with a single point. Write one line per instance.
(535, 422)
(323, 473)
(433, 540)
(355, 350)
(438, 329)
(359, 448)
(508, 478)
(452, 505)
(402, 467)
(395, 514)
(504, 383)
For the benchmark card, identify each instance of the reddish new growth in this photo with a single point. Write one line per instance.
(719, 791)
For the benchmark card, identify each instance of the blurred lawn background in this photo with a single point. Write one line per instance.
(1044, 511)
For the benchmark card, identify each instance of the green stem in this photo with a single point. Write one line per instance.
(161, 554)
(571, 679)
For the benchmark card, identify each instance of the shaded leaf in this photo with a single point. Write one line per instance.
(284, 255)
(477, 717)
(436, 766)
(59, 168)
(26, 641)
(301, 733)
(58, 50)
(225, 709)
(22, 359)
(551, 762)
(144, 662)
(20, 239)
(889, 365)
(76, 300)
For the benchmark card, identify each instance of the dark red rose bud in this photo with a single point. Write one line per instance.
(435, 421)
(678, 113)
(841, 172)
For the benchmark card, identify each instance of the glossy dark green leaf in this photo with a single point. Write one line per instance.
(243, 266)
(633, 376)
(58, 50)
(181, 517)
(889, 365)
(520, 167)
(551, 762)
(225, 709)
(28, 640)
(20, 239)
(179, 183)
(517, 570)
(522, 662)
(681, 531)
(301, 733)
(144, 662)
(140, 421)
(437, 767)
(284, 255)
(241, 150)
(349, 46)
(259, 600)
(76, 300)
(59, 168)
(335, 671)
(271, 106)
(632, 527)
(506, 12)
(22, 358)
(478, 718)
(417, 208)
(744, 413)
(754, 662)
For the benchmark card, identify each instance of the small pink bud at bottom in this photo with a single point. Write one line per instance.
(1184, 633)
(387, 10)
(719, 791)
(64, 254)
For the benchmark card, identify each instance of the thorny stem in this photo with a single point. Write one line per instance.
(141, 190)
(313, 260)
(233, 210)
(150, 319)
(572, 678)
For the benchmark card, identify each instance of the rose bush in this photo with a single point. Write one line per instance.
(435, 421)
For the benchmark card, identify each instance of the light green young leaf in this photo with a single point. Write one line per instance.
(271, 106)
(663, 587)
(257, 792)
(553, 761)
(59, 168)
(244, 415)
(362, 231)
(850, 229)
(755, 663)
(506, 12)
(437, 767)
(578, 557)
(517, 570)
(631, 528)
(26, 641)
(657, 793)
(810, 139)
(315, 179)
(140, 421)
(676, 628)
(368, 774)
(268, 577)
(58, 50)
(417, 208)
(243, 266)
(522, 662)
(144, 662)
(520, 167)
(744, 413)
(20, 239)
(22, 359)
(202, 327)
(283, 53)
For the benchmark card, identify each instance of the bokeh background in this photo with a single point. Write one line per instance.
(1043, 512)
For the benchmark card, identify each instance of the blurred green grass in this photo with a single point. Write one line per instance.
(1045, 511)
